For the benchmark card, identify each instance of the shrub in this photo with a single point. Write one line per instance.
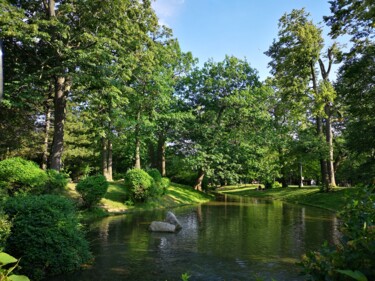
(46, 234)
(92, 190)
(5, 226)
(160, 184)
(155, 174)
(18, 175)
(356, 250)
(56, 182)
(139, 184)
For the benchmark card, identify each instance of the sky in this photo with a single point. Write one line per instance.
(211, 29)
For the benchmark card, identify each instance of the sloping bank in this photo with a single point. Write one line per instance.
(333, 201)
(116, 200)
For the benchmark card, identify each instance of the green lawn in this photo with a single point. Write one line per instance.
(116, 196)
(334, 200)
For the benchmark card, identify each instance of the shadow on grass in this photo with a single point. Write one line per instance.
(117, 192)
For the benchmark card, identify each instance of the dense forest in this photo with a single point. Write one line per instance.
(93, 87)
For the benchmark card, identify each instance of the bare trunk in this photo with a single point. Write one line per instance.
(137, 164)
(104, 157)
(152, 155)
(1, 71)
(109, 162)
(47, 128)
(51, 8)
(61, 88)
(161, 156)
(329, 139)
(198, 182)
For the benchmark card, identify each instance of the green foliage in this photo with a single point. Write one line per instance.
(356, 250)
(57, 181)
(5, 227)
(160, 184)
(7, 265)
(46, 234)
(139, 184)
(18, 175)
(92, 190)
(155, 174)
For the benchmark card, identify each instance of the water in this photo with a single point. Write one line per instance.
(233, 239)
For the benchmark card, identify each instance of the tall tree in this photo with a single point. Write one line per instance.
(295, 56)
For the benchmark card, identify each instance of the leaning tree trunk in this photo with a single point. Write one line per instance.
(61, 89)
(329, 139)
(199, 180)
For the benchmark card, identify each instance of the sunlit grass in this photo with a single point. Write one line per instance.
(334, 200)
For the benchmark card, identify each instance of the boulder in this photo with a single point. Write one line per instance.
(171, 218)
(161, 226)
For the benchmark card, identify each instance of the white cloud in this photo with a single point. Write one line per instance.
(167, 9)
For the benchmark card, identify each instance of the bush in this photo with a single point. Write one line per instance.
(92, 190)
(46, 234)
(356, 250)
(155, 174)
(5, 226)
(56, 182)
(160, 184)
(18, 175)
(139, 184)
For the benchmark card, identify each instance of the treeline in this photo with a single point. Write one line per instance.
(100, 87)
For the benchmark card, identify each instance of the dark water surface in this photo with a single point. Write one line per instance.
(234, 238)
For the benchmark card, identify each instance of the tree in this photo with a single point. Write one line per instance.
(294, 58)
(226, 101)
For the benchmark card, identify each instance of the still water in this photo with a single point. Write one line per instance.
(233, 238)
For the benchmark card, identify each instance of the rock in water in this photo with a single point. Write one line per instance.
(171, 218)
(161, 226)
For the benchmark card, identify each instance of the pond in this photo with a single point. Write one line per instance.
(232, 238)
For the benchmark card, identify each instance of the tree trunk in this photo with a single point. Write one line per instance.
(323, 163)
(198, 182)
(329, 139)
(152, 155)
(109, 161)
(61, 88)
(161, 156)
(1, 71)
(51, 8)
(137, 164)
(104, 157)
(47, 128)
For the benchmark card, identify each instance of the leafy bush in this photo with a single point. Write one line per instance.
(155, 174)
(276, 184)
(5, 226)
(92, 190)
(139, 184)
(18, 175)
(356, 251)
(56, 182)
(46, 234)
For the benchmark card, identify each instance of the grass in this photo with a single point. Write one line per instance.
(334, 200)
(114, 202)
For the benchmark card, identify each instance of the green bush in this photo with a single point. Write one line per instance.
(46, 234)
(155, 174)
(5, 226)
(18, 175)
(92, 190)
(56, 182)
(160, 184)
(139, 184)
(356, 251)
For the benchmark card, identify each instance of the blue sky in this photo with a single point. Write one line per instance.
(242, 28)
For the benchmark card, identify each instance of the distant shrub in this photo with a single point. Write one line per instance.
(276, 184)
(160, 184)
(56, 182)
(92, 190)
(355, 252)
(139, 184)
(18, 175)
(46, 234)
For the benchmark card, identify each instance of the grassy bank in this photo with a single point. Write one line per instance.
(115, 200)
(333, 201)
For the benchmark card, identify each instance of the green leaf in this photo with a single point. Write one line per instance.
(357, 275)
(6, 259)
(18, 278)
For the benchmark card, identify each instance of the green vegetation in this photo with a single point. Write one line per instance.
(92, 189)
(334, 200)
(139, 183)
(46, 234)
(7, 265)
(21, 176)
(354, 254)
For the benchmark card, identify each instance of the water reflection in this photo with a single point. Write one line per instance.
(234, 238)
